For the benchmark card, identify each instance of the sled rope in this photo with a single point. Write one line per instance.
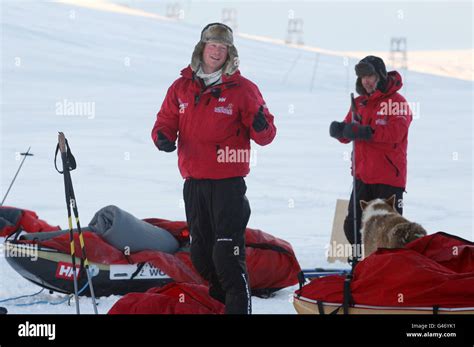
(42, 302)
(22, 296)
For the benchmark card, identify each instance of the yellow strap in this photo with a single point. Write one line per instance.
(81, 240)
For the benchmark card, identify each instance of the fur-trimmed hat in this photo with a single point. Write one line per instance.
(220, 33)
(371, 65)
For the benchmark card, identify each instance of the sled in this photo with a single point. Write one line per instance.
(52, 269)
(431, 275)
(308, 306)
(130, 255)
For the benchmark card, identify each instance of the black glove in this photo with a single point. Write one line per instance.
(336, 129)
(259, 122)
(353, 131)
(164, 144)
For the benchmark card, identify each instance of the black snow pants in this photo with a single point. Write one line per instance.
(217, 212)
(368, 192)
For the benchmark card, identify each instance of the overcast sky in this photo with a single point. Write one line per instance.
(341, 25)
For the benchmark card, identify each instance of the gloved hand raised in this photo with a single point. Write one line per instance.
(354, 131)
(164, 144)
(336, 129)
(259, 122)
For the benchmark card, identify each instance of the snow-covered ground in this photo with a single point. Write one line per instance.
(121, 66)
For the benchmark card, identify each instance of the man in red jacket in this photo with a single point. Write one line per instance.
(213, 112)
(381, 137)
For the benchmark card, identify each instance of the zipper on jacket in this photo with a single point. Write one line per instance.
(204, 89)
(394, 166)
(197, 96)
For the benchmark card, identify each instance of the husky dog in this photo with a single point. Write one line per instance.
(384, 227)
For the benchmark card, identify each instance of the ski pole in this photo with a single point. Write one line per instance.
(355, 118)
(26, 154)
(66, 166)
(69, 164)
(82, 243)
(347, 296)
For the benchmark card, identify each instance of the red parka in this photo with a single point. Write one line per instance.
(213, 125)
(383, 159)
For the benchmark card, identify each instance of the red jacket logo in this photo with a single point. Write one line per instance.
(64, 271)
(182, 106)
(224, 109)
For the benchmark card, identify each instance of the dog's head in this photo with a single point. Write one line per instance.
(378, 207)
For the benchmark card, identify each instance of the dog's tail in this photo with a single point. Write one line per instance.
(403, 233)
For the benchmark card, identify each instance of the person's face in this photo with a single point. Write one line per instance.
(213, 56)
(370, 83)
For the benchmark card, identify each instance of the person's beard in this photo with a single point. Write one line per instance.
(374, 88)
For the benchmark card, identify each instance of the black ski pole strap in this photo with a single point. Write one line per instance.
(70, 163)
